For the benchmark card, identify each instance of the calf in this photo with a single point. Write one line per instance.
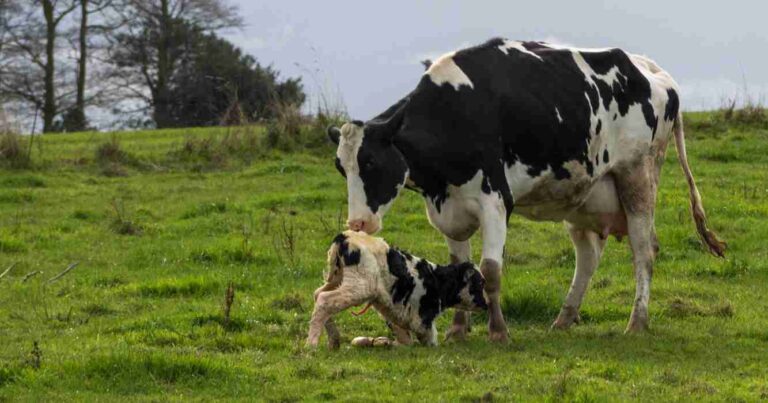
(407, 291)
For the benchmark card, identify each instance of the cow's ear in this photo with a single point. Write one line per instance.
(333, 134)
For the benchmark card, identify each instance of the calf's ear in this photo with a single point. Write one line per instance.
(333, 134)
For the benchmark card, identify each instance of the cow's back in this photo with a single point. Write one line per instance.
(556, 117)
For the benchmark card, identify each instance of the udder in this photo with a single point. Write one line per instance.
(601, 211)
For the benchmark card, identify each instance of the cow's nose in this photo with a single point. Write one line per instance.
(356, 225)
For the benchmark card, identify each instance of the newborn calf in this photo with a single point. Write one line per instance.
(406, 290)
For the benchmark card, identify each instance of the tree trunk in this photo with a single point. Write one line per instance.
(78, 114)
(161, 97)
(49, 103)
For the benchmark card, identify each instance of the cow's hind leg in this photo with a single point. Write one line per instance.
(589, 246)
(460, 252)
(637, 192)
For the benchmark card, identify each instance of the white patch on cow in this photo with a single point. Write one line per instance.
(520, 182)
(458, 216)
(350, 141)
(517, 45)
(445, 70)
(557, 113)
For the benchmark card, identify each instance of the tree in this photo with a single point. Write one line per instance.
(30, 54)
(149, 49)
(74, 119)
(216, 76)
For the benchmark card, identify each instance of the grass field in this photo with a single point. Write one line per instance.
(160, 232)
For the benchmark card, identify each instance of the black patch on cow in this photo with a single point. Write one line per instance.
(358, 123)
(349, 257)
(598, 127)
(630, 87)
(339, 168)
(673, 105)
(404, 283)
(615, 115)
(597, 160)
(485, 186)
(382, 168)
(605, 156)
(590, 168)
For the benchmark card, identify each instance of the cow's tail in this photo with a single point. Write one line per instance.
(714, 244)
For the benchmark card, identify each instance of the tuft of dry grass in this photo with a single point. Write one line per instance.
(284, 131)
(14, 151)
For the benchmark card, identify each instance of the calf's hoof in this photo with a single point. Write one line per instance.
(334, 344)
(364, 341)
(568, 317)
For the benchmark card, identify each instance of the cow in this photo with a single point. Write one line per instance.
(550, 132)
(406, 290)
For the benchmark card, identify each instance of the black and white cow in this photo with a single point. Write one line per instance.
(549, 132)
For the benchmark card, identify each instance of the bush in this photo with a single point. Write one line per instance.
(113, 159)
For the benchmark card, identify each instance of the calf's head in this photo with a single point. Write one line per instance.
(375, 171)
(471, 297)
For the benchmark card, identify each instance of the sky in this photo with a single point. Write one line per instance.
(365, 55)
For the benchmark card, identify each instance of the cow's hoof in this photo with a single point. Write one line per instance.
(638, 321)
(456, 333)
(499, 336)
(311, 345)
(636, 327)
(568, 317)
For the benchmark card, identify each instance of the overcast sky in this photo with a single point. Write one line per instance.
(367, 54)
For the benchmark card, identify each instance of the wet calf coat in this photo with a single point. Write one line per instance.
(407, 291)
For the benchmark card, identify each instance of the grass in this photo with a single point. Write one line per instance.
(142, 318)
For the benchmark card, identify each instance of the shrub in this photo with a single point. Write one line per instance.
(112, 158)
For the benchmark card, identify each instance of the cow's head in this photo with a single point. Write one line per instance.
(375, 170)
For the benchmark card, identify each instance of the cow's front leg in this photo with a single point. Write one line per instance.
(403, 336)
(588, 247)
(460, 252)
(494, 227)
(428, 337)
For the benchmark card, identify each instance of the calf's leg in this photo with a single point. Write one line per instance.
(588, 247)
(327, 304)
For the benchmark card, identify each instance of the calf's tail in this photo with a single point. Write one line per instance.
(710, 239)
